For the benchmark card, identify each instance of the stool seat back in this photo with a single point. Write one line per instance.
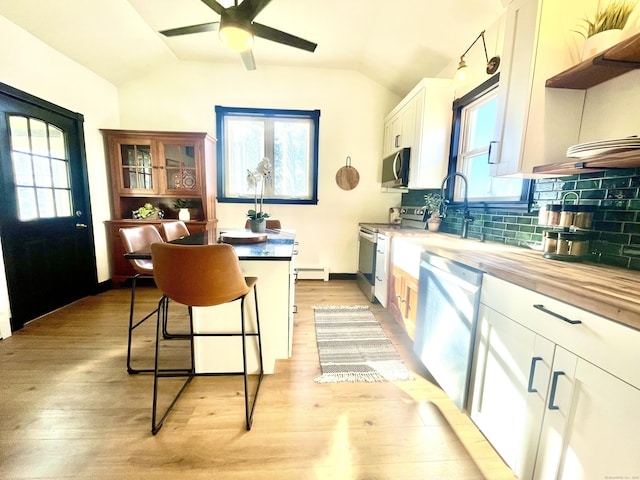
(198, 275)
(140, 238)
(174, 230)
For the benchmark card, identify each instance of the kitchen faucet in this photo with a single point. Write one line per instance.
(466, 217)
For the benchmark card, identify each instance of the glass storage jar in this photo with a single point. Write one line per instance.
(553, 215)
(549, 241)
(583, 218)
(567, 215)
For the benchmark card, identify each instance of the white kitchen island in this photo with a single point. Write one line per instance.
(273, 263)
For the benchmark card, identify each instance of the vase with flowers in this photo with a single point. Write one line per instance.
(432, 203)
(257, 179)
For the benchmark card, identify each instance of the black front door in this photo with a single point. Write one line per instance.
(45, 221)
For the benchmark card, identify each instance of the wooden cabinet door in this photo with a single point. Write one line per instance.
(134, 167)
(396, 299)
(411, 296)
(593, 433)
(180, 167)
(511, 360)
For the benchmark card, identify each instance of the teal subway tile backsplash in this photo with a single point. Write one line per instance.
(616, 227)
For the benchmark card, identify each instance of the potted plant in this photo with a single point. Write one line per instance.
(433, 202)
(605, 30)
(259, 176)
(182, 205)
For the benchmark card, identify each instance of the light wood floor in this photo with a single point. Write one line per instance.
(68, 409)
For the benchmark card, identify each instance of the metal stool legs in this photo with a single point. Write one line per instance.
(163, 309)
(133, 326)
(249, 413)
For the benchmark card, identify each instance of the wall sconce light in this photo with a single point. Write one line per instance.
(492, 63)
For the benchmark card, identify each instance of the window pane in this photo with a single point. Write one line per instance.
(60, 174)
(46, 205)
(63, 203)
(291, 159)
(39, 142)
(42, 170)
(19, 134)
(481, 123)
(27, 206)
(57, 143)
(483, 186)
(22, 169)
(245, 149)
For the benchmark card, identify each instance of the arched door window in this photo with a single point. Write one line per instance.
(40, 159)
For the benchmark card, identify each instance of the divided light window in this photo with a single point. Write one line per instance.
(40, 159)
(289, 138)
(474, 124)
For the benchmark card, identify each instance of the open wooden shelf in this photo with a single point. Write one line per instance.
(573, 166)
(615, 61)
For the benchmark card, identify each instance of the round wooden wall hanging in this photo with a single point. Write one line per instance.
(347, 177)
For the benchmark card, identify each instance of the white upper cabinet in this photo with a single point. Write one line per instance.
(535, 125)
(422, 122)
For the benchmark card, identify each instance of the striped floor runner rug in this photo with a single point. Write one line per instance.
(353, 347)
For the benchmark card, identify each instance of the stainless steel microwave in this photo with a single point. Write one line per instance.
(395, 169)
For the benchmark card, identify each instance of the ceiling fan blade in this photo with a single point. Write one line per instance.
(250, 9)
(279, 36)
(248, 60)
(202, 27)
(215, 6)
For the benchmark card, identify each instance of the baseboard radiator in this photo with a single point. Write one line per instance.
(313, 273)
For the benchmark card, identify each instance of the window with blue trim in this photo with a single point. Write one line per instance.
(288, 138)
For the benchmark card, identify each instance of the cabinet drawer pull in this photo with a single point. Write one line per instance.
(532, 371)
(557, 315)
(552, 395)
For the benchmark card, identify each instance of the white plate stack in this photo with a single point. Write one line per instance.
(602, 147)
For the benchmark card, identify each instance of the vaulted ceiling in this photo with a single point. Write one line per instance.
(394, 43)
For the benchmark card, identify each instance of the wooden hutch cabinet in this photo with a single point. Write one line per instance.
(158, 168)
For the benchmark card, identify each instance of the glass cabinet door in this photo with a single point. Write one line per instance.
(180, 165)
(136, 167)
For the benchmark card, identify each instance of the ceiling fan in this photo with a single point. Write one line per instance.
(237, 29)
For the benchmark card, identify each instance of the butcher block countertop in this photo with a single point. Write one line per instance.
(607, 291)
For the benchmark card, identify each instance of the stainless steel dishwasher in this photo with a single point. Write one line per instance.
(448, 300)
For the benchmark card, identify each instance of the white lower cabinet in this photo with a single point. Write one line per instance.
(537, 395)
(594, 432)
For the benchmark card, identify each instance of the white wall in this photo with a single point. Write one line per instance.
(617, 101)
(183, 96)
(33, 67)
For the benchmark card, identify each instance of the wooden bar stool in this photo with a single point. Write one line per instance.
(174, 230)
(202, 276)
(137, 239)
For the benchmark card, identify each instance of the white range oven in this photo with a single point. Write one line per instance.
(373, 253)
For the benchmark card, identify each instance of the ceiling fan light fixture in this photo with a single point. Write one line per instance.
(236, 37)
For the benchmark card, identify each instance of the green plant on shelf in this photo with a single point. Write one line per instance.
(612, 16)
(181, 203)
